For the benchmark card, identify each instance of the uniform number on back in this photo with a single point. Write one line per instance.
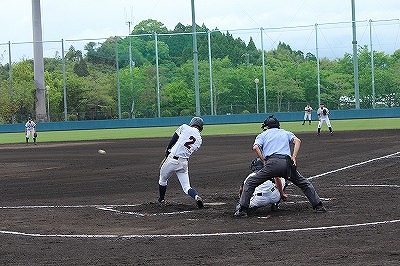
(191, 141)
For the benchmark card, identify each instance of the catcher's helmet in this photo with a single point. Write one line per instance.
(197, 121)
(271, 122)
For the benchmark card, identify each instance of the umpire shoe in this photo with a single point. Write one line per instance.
(199, 202)
(319, 208)
(241, 213)
(161, 201)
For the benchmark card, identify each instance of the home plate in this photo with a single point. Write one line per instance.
(214, 203)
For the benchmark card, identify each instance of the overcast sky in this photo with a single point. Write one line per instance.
(85, 19)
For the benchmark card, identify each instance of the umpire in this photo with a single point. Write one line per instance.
(272, 146)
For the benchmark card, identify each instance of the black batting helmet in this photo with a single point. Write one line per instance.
(197, 121)
(271, 122)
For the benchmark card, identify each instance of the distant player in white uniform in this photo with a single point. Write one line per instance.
(30, 129)
(323, 116)
(307, 114)
(184, 142)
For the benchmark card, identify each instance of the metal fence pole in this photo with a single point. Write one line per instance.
(118, 83)
(11, 83)
(318, 69)
(64, 81)
(263, 70)
(372, 64)
(211, 80)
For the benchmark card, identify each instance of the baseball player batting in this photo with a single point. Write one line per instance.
(184, 142)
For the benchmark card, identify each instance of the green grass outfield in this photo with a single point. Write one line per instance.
(252, 128)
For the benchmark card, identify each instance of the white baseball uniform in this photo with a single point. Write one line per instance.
(30, 128)
(322, 117)
(265, 194)
(307, 113)
(188, 142)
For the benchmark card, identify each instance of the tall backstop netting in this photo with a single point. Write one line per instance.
(151, 74)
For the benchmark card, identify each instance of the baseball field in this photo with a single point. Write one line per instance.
(63, 203)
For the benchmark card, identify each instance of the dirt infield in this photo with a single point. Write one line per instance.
(65, 204)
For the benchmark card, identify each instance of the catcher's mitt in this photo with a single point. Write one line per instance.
(325, 112)
(256, 165)
(35, 135)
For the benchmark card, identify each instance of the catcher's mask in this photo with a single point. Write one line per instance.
(271, 122)
(256, 165)
(197, 121)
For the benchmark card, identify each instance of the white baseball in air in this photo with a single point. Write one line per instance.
(101, 151)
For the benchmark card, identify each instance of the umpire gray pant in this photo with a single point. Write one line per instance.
(279, 166)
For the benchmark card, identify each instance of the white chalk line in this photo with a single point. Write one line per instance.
(378, 186)
(70, 206)
(110, 208)
(205, 234)
(354, 165)
(142, 214)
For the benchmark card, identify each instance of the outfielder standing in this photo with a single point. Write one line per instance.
(30, 129)
(307, 114)
(323, 116)
(272, 146)
(184, 142)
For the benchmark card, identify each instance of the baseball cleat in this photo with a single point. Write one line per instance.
(161, 200)
(199, 202)
(274, 207)
(320, 209)
(240, 214)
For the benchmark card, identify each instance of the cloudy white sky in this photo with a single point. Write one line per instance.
(85, 19)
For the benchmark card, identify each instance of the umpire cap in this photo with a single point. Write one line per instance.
(197, 121)
(271, 122)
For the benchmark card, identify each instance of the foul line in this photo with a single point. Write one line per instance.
(354, 165)
(379, 186)
(206, 234)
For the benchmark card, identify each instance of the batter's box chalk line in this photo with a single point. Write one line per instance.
(140, 213)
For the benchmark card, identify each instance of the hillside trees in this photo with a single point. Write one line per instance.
(291, 77)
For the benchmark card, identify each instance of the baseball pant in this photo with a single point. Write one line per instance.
(326, 120)
(265, 198)
(307, 117)
(178, 166)
(305, 185)
(29, 133)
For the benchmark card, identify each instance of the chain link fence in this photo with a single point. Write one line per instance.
(151, 74)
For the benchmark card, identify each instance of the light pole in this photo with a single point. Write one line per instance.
(256, 82)
(48, 102)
